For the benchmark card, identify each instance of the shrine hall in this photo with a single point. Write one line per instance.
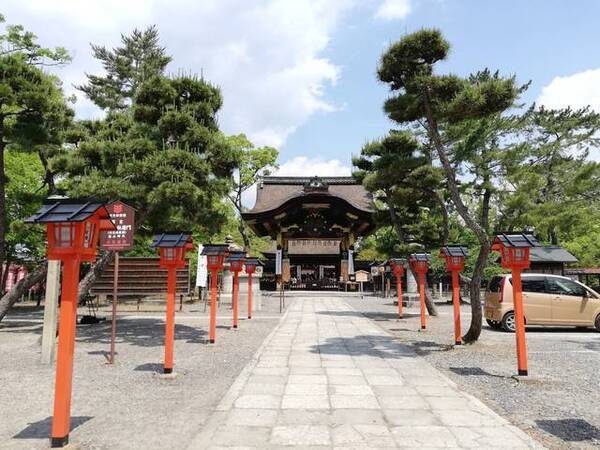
(315, 222)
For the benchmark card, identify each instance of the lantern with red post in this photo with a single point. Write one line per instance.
(236, 265)
(419, 263)
(455, 262)
(73, 227)
(514, 250)
(215, 261)
(251, 265)
(172, 248)
(398, 269)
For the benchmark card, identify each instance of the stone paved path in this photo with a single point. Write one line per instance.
(327, 377)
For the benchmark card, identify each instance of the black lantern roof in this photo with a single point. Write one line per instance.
(254, 262)
(420, 257)
(215, 249)
(522, 240)
(236, 255)
(455, 250)
(171, 240)
(68, 210)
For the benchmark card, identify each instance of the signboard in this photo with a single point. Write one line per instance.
(362, 276)
(374, 271)
(123, 217)
(202, 270)
(278, 257)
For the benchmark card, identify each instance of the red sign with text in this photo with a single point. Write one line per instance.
(123, 217)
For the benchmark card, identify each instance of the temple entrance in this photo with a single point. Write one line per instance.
(315, 223)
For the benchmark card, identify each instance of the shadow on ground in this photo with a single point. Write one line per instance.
(139, 332)
(369, 345)
(570, 430)
(42, 428)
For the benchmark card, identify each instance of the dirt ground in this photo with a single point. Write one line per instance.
(128, 405)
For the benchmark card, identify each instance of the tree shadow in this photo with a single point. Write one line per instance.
(42, 428)
(139, 332)
(570, 430)
(150, 367)
(364, 345)
(12, 324)
(475, 371)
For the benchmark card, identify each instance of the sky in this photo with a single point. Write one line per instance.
(300, 75)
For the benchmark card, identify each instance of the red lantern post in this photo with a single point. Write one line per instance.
(236, 265)
(514, 250)
(419, 262)
(215, 258)
(73, 227)
(455, 262)
(172, 248)
(398, 269)
(251, 264)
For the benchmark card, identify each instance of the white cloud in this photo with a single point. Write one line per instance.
(266, 55)
(578, 90)
(301, 166)
(393, 9)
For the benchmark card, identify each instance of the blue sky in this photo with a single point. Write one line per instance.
(300, 74)
(536, 40)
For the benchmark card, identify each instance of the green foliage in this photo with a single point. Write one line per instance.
(24, 195)
(252, 164)
(139, 58)
(406, 187)
(33, 117)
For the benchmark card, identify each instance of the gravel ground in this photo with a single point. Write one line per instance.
(559, 406)
(129, 405)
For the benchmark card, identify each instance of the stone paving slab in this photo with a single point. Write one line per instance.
(329, 378)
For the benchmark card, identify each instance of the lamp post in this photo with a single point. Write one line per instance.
(251, 264)
(73, 227)
(419, 263)
(215, 258)
(172, 248)
(398, 269)
(455, 262)
(514, 250)
(236, 264)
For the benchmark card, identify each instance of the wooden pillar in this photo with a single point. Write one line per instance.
(50, 312)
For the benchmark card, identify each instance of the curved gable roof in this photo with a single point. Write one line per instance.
(273, 192)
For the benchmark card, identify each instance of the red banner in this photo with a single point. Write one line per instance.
(123, 217)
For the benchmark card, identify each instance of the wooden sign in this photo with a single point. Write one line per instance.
(123, 217)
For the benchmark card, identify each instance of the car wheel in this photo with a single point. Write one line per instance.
(597, 323)
(494, 324)
(508, 322)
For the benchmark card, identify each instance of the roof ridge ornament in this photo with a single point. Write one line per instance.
(316, 184)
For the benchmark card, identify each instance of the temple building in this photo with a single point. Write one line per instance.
(315, 222)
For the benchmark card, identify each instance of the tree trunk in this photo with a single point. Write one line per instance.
(244, 233)
(429, 300)
(10, 298)
(475, 289)
(465, 214)
(88, 280)
(5, 275)
(2, 197)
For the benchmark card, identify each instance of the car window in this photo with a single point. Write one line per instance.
(495, 284)
(561, 286)
(534, 284)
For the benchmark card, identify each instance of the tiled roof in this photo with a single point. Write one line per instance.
(272, 192)
(67, 210)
